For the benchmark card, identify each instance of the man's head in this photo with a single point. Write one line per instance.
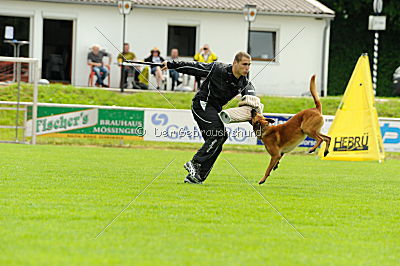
(126, 47)
(206, 48)
(95, 48)
(155, 51)
(241, 64)
(174, 53)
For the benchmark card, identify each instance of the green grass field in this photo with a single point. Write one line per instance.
(56, 199)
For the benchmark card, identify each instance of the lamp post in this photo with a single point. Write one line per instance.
(376, 23)
(125, 8)
(249, 12)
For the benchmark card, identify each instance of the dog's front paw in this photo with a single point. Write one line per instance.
(311, 150)
(326, 153)
(262, 181)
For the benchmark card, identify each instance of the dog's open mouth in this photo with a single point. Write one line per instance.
(253, 113)
(255, 123)
(257, 127)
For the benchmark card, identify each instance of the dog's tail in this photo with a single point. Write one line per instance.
(314, 93)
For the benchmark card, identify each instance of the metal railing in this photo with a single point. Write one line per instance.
(17, 127)
(35, 78)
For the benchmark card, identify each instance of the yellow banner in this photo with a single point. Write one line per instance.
(355, 131)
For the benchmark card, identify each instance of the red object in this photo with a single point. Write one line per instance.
(93, 74)
(7, 69)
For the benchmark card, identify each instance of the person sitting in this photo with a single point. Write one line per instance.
(156, 58)
(205, 55)
(127, 71)
(172, 72)
(95, 60)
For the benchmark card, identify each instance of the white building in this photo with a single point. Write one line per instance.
(289, 38)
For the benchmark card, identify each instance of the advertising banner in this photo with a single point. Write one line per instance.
(390, 130)
(180, 126)
(162, 125)
(54, 121)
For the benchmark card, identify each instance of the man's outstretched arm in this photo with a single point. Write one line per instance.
(248, 90)
(191, 68)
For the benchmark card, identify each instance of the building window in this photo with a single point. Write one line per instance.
(21, 33)
(263, 45)
(183, 38)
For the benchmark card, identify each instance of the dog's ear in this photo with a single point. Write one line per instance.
(271, 121)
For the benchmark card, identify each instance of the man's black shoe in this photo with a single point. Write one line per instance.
(189, 180)
(194, 171)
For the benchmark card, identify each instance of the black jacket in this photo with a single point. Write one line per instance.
(150, 59)
(220, 85)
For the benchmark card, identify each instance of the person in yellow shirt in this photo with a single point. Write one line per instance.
(205, 55)
(128, 71)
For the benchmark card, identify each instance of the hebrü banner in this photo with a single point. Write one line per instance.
(54, 121)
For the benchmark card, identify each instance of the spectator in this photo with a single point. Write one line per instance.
(127, 71)
(205, 55)
(172, 72)
(156, 58)
(95, 60)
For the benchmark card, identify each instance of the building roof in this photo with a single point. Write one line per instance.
(295, 7)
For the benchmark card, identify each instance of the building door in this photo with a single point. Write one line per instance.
(182, 38)
(57, 50)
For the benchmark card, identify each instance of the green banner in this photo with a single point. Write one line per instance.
(77, 122)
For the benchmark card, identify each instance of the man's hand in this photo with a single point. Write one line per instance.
(107, 65)
(165, 66)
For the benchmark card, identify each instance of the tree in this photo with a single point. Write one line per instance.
(350, 38)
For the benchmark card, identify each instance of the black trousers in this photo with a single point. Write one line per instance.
(213, 131)
(130, 72)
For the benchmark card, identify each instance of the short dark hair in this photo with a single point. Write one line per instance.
(240, 55)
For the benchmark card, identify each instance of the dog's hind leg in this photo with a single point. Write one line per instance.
(314, 134)
(327, 140)
(319, 141)
(319, 137)
(311, 127)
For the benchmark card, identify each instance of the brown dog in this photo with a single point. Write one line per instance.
(283, 138)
